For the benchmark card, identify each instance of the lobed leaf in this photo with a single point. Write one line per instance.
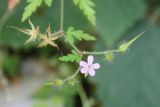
(77, 34)
(71, 57)
(48, 2)
(32, 7)
(87, 7)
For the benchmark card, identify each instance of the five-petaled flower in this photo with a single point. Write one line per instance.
(88, 67)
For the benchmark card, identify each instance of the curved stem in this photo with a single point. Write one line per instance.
(73, 76)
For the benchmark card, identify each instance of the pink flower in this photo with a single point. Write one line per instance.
(88, 67)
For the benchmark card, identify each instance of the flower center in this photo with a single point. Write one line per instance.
(89, 67)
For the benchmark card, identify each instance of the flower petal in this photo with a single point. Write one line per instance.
(90, 59)
(96, 66)
(92, 72)
(83, 64)
(83, 70)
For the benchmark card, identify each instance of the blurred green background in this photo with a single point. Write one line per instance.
(130, 80)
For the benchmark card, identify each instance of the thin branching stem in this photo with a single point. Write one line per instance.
(75, 74)
(72, 76)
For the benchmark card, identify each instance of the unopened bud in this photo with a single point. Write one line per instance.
(124, 47)
(57, 82)
(109, 56)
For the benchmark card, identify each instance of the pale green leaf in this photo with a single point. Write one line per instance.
(30, 8)
(77, 34)
(48, 2)
(70, 57)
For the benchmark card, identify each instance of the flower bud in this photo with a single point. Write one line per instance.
(109, 56)
(57, 82)
(124, 47)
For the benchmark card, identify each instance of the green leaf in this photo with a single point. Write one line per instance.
(15, 39)
(71, 57)
(30, 8)
(77, 34)
(116, 17)
(48, 2)
(87, 7)
(132, 80)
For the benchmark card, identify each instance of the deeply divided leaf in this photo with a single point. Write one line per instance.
(72, 35)
(87, 6)
(32, 7)
(71, 57)
(48, 2)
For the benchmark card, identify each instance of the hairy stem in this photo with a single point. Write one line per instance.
(98, 53)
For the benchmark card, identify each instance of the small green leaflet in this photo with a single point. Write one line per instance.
(71, 57)
(32, 7)
(87, 7)
(48, 2)
(77, 34)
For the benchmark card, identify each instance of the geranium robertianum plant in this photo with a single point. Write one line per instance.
(88, 68)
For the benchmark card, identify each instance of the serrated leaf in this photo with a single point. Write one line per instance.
(70, 57)
(87, 7)
(30, 8)
(77, 34)
(48, 2)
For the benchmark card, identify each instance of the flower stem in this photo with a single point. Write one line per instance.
(74, 47)
(98, 53)
(72, 76)
(62, 15)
